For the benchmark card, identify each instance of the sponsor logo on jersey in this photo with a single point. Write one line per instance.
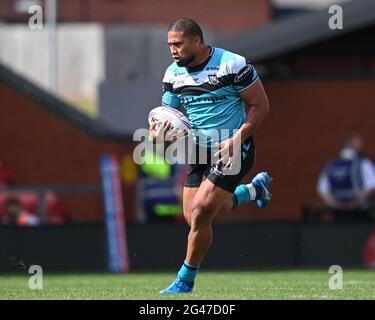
(203, 99)
(212, 79)
(212, 68)
(243, 73)
(179, 82)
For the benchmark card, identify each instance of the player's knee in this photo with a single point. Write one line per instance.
(200, 216)
(187, 218)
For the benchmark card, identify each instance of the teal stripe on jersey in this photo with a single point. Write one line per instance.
(211, 97)
(224, 115)
(170, 99)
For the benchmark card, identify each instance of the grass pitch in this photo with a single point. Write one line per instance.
(259, 285)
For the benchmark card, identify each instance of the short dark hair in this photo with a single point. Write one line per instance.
(188, 27)
(12, 201)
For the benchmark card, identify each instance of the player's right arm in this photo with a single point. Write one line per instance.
(169, 99)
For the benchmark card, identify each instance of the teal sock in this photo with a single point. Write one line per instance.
(246, 193)
(188, 272)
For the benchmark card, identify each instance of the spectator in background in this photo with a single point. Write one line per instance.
(160, 189)
(347, 183)
(58, 213)
(6, 175)
(15, 215)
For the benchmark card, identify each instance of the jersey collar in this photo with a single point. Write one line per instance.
(201, 66)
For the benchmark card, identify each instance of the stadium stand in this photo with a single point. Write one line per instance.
(62, 147)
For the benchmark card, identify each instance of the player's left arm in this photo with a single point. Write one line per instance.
(256, 100)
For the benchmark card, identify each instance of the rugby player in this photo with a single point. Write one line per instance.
(215, 87)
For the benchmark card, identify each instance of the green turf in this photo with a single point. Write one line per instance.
(303, 284)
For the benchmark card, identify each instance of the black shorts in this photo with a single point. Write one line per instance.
(213, 172)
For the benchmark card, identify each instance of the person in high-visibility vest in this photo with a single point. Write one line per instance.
(347, 182)
(160, 190)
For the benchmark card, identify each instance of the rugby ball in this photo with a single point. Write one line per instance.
(180, 125)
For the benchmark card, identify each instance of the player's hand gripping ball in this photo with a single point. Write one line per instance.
(179, 125)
